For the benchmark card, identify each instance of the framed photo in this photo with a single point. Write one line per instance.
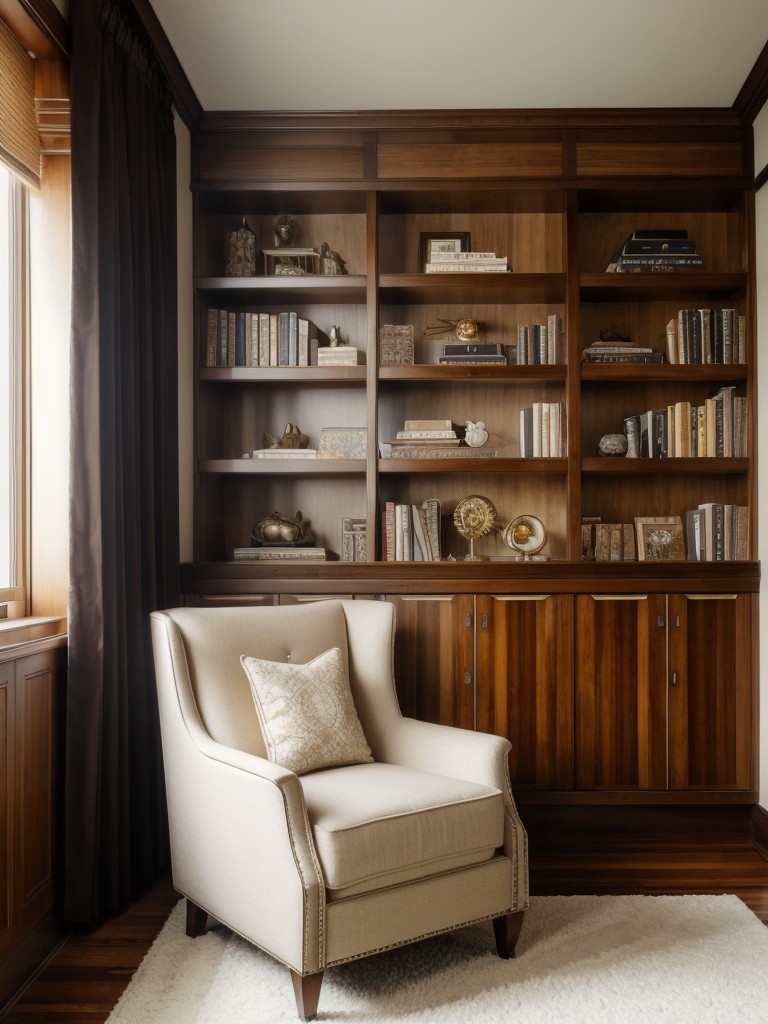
(660, 539)
(440, 241)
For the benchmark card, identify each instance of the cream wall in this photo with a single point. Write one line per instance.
(761, 216)
(186, 374)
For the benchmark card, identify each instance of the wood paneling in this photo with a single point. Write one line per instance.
(248, 162)
(457, 160)
(7, 782)
(697, 160)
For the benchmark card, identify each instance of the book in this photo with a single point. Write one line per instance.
(481, 349)
(472, 360)
(280, 554)
(284, 453)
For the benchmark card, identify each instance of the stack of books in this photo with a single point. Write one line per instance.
(467, 262)
(717, 429)
(239, 338)
(717, 533)
(620, 351)
(284, 453)
(656, 250)
(411, 533)
(541, 344)
(472, 354)
(278, 553)
(426, 434)
(706, 336)
(542, 433)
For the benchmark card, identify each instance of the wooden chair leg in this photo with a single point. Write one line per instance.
(507, 931)
(197, 919)
(307, 991)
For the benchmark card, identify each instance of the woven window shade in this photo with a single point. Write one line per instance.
(19, 136)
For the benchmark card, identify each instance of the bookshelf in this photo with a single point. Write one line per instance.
(557, 197)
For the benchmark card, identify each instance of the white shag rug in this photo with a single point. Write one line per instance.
(580, 960)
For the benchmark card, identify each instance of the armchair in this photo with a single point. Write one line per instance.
(342, 862)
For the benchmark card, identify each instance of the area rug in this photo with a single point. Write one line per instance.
(581, 960)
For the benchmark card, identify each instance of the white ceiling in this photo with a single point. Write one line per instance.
(464, 54)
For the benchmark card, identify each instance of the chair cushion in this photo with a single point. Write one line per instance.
(377, 825)
(307, 713)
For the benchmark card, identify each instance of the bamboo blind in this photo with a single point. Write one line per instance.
(19, 136)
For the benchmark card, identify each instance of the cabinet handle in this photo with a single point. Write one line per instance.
(468, 620)
(426, 597)
(619, 597)
(674, 678)
(467, 678)
(660, 621)
(711, 597)
(677, 622)
(484, 621)
(521, 597)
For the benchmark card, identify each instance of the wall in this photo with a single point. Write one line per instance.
(761, 215)
(186, 374)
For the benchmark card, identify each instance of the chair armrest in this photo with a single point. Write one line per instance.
(462, 754)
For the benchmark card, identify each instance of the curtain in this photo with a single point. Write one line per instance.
(124, 545)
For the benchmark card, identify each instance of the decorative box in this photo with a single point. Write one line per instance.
(396, 344)
(343, 443)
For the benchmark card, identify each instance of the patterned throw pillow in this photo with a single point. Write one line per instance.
(307, 713)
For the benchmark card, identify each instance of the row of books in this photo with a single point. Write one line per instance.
(238, 338)
(656, 250)
(411, 533)
(714, 532)
(542, 431)
(717, 429)
(466, 262)
(541, 344)
(705, 336)
(717, 532)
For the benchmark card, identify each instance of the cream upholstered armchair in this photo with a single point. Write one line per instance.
(325, 861)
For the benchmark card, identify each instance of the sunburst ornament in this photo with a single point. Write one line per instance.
(466, 329)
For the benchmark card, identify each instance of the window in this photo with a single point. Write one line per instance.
(13, 277)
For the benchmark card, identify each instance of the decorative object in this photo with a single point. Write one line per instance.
(396, 345)
(334, 336)
(466, 329)
(613, 445)
(331, 264)
(286, 231)
(277, 528)
(440, 241)
(659, 539)
(569, 967)
(475, 434)
(354, 546)
(343, 443)
(306, 712)
(474, 517)
(240, 252)
(291, 261)
(525, 535)
(338, 355)
(292, 438)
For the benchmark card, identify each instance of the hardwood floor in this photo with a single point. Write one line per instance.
(572, 850)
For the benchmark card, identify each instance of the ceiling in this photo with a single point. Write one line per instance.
(464, 54)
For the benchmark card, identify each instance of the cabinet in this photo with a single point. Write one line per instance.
(583, 688)
(664, 688)
(500, 664)
(31, 694)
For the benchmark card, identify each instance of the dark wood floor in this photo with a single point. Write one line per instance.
(572, 851)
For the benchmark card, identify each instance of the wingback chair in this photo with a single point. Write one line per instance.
(419, 837)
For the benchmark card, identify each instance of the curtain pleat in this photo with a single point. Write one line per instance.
(124, 549)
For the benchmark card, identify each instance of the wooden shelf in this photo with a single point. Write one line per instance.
(704, 466)
(284, 467)
(310, 376)
(673, 373)
(423, 373)
(470, 465)
(345, 288)
(662, 287)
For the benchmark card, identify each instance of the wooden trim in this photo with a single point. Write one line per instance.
(759, 822)
(760, 179)
(184, 97)
(753, 95)
(39, 25)
(446, 120)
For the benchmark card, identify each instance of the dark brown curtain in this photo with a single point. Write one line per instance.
(124, 552)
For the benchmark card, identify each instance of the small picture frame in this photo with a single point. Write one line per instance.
(441, 241)
(660, 539)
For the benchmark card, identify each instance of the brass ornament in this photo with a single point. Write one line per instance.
(525, 534)
(281, 529)
(474, 516)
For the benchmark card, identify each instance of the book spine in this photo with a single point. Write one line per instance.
(211, 338)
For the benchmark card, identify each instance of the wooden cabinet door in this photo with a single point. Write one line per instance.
(620, 707)
(712, 705)
(525, 684)
(7, 834)
(434, 657)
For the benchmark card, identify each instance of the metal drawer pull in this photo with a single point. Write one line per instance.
(711, 597)
(674, 678)
(467, 678)
(425, 597)
(521, 597)
(619, 597)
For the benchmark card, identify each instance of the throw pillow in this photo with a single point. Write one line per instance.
(307, 713)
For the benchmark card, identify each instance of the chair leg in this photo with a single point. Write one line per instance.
(507, 931)
(197, 919)
(307, 992)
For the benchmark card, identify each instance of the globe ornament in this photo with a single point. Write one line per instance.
(466, 329)
(525, 535)
(474, 516)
